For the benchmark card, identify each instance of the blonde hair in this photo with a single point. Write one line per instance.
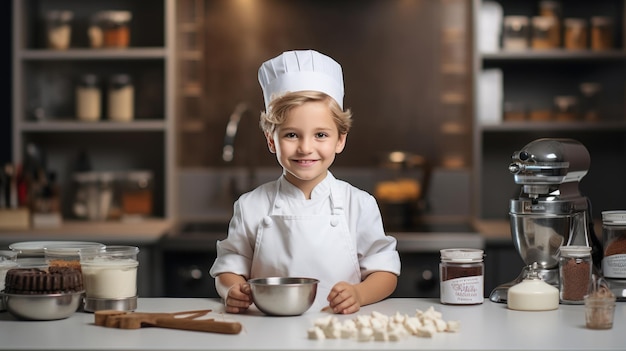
(280, 107)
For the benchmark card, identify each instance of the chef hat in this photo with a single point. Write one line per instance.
(301, 70)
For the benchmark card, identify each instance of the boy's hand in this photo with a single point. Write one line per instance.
(239, 298)
(344, 298)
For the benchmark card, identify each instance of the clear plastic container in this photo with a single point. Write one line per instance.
(69, 254)
(590, 105)
(614, 243)
(59, 29)
(111, 273)
(110, 29)
(575, 268)
(462, 276)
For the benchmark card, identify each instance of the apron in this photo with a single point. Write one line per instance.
(310, 246)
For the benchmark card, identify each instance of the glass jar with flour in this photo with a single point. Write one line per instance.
(110, 278)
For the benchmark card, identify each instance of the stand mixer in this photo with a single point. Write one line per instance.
(550, 212)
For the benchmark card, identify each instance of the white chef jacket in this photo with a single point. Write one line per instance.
(374, 249)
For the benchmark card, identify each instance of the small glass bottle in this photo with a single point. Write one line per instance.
(575, 34)
(121, 104)
(601, 33)
(614, 243)
(462, 276)
(575, 267)
(88, 98)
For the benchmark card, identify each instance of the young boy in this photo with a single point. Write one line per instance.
(307, 223)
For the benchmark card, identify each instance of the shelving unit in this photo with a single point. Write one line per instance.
(44, 80)
(535, 77)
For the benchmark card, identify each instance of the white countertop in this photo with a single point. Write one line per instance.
(489, 326)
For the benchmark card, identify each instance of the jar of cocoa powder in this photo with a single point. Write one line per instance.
(575, 267)
(462, 276)
(614, 243)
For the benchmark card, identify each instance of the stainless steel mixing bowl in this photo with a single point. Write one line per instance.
(43, 307)
(280, 296)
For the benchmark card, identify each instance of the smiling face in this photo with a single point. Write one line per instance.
(306, 144)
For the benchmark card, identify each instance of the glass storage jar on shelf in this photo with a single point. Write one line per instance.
(542, 33)
(601, 33)
(59, 29)
(110, 29)
(516, 33)
(575, 34)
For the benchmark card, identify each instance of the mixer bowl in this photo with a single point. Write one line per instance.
(538, 238)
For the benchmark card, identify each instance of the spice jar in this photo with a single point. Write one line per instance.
(542, 33)
(109, 29)
(58, 29)
(88, 98)
(462, 276)
(574, 273)
(532, 293)
(552, 9)
(601, 33)
(121, 98)
(575, 34)
(516, 33)
(614, 243)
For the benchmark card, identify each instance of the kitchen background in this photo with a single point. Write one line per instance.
(418, 80)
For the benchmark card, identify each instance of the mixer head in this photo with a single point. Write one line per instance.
(544, 165)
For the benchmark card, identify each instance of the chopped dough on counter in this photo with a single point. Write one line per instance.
(380, 327)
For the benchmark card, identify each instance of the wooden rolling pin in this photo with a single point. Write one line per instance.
(136, 320)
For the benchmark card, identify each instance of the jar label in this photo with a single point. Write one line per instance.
(464, 290)
(614, 266)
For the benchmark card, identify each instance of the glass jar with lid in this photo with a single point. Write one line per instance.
(110, 29)
(59, 29)
(575, 34)
(575, 268)
(614, 242)
(601, 33)
(462, 276)
(121, 104)
(137, 194)
(88, 98)
(516, 33)
(542, 33)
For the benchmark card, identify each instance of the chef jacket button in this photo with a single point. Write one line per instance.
(267, 221)
(334, 222)
(278, 204)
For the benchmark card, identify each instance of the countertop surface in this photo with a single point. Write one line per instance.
(488, 326)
